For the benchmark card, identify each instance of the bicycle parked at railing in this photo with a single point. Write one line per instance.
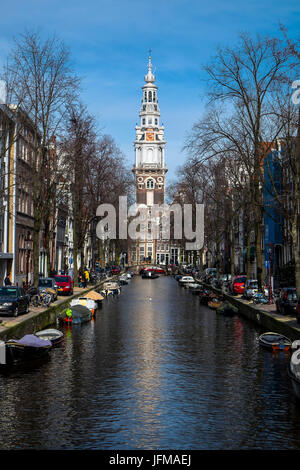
(42, 299)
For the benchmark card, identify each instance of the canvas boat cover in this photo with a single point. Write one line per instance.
(94, 296)
(79, 311)
(34, 341)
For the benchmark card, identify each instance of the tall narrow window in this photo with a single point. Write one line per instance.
(150, 184)
(150, 96)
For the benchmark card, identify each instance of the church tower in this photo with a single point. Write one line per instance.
(149, 168)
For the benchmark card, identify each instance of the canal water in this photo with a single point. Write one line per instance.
(154, 370)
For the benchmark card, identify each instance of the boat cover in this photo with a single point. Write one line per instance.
(79, 311)
(34, 341)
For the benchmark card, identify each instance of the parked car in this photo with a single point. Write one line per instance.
(65, 284)
(13, 301)
(238, 284)
(251, 288)
(286, 303)
(48, 284)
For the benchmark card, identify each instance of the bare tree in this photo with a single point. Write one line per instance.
(243, 79)
(41, 85)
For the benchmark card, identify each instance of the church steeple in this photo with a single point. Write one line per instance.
(149, 168)
(149, 78)
(150, 142)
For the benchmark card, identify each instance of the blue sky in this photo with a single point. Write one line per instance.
(109, 42)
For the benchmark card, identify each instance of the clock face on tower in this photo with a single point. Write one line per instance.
(149, 135)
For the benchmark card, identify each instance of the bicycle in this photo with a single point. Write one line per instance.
(41, 300)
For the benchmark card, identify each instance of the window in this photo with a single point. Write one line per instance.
(150, 121)
(150, 96)
(156, 122)
(150, 184)
(144, 121)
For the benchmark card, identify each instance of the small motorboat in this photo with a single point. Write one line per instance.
(193, 286)
(186, 280)
(226, 308)
(55, 336)
(110, 287)
(214, 304)
(275, 341)
(294, 372)
(123, 280)
(24, 351)
(86, 302)
(75, 314)
(149, 275)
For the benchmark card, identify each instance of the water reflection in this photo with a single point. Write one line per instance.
(154, 370)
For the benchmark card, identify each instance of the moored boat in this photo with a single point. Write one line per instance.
(193, 286)
(95, 296)
(204, 297)
(226, 308)
(110, 287)
(75, 314)
(86, 302)
(124, 279)
(149, 275)
(24, 351)
(294, 372)
(186, 280)
(275, 341)
(214, 304)
(51, 334)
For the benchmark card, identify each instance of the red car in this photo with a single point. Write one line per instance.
(238, 284)
(65, 285)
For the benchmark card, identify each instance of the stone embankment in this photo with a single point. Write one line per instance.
(39, 318)
(264, 315)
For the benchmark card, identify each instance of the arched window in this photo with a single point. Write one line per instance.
(150, 96)
(150, 184)
(145, 96)
(154, 96)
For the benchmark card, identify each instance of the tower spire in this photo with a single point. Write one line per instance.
(150, 77)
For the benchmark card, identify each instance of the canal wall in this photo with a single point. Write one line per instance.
(36, 321)
(269, 320)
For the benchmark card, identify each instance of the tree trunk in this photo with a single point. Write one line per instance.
(36, 250)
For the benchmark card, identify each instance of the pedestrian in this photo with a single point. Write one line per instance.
(7, 281)
(87, 276)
